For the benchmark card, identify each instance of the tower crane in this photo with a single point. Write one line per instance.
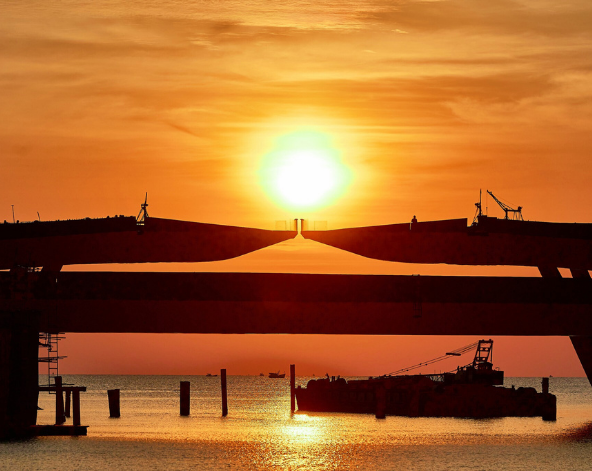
(516, 213)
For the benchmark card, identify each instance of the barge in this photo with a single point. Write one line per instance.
(473, 391)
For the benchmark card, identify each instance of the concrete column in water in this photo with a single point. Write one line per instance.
(59, 394)
(68, 394)
(76, 407)
(380, 402)
(583, 347)
(185, 397)
(113, 395)
(19, 384)
(224, 392)
(292, 388)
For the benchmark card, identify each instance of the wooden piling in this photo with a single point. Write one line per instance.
(224, 392)
(68, 393)
(76, 407)
(59, 393)
(549, 406)
(381, 402)
(292, 388)
(113, 395)
(185, 397)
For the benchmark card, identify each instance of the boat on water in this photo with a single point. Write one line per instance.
(474, 390)
(210, 375)
(277, 375)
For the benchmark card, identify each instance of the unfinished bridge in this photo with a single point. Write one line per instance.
(36, 296)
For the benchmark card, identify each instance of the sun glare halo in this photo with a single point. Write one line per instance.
(304, 171)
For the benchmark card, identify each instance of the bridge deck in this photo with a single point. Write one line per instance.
(53, 244)
(309, 304)
(491, 242)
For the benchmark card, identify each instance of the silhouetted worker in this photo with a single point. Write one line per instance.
(414, 219)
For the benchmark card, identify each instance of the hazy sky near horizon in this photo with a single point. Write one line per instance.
(425, 102)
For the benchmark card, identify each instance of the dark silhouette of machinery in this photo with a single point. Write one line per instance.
(143, 214)
(516, 213)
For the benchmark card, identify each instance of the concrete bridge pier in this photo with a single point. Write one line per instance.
(19, 381)
(583, 347)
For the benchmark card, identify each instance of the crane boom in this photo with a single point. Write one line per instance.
(516, 213)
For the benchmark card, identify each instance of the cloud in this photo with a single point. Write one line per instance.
(485, 17)
(181, 128)
(471, 79)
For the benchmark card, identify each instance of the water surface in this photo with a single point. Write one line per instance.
(260, 432)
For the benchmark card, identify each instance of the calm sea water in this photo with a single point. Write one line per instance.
(260, 433)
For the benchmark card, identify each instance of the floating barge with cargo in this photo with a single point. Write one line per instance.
(473, 391)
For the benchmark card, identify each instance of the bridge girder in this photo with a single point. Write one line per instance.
(490, 242)
(53, 244)
(308, 304)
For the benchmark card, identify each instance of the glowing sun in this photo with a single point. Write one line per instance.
(304, 171)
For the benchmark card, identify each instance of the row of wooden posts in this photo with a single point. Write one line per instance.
(185, 393)
(63, 410)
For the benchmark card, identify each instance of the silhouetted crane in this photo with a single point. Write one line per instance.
(516, 213)
(141, 219)
(478, 212)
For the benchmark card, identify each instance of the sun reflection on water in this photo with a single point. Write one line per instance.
(305, 429)
(260, 433)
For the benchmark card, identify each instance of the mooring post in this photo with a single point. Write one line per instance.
(60, 419)
(545, 385)
(67, 392)
(381, 402)
(185, 397)
(224, 391)
(113, 395)
(292, 388)
(76, 407)
(549, 406)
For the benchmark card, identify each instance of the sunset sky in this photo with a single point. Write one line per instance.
(416, 105)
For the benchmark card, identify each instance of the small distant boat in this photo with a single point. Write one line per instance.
(261, 374)
(277, 375)
(211, 375)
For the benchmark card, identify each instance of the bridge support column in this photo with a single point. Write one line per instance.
(583, 346)
(19, 381)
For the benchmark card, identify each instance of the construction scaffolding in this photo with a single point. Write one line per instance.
(50, 342)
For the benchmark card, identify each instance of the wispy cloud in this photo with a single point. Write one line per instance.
(410, 86)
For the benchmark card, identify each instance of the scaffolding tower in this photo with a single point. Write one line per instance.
(50, 342)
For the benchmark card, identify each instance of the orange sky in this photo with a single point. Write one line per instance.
(426, 102)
